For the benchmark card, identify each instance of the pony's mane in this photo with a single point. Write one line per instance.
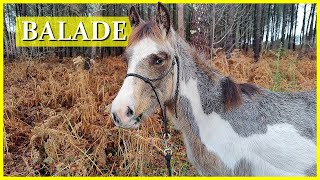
(145, 29)
(231, 91)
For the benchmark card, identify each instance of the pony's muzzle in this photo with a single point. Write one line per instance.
(123, 116)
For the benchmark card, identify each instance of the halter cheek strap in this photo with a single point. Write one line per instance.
(167, 150)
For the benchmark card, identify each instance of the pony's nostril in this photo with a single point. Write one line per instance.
(139, 118)
(115, 118)
(129, 112)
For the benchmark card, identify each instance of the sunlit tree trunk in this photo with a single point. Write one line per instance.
(257, 31)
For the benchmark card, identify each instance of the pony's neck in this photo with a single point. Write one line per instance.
(198, 78)
(200, 93)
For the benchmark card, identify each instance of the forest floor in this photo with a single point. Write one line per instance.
(57, 122)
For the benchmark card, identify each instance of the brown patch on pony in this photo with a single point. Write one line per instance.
(232, 92)
(249, 89)
(147, 29)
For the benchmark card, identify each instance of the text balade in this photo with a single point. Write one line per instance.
(72, 31)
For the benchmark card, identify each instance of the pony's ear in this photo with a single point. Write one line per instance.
(163, 18)
(134, 17)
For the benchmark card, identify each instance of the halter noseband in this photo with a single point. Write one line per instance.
(167, 151)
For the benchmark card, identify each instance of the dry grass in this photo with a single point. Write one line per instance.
(56, 121)
(294, 74)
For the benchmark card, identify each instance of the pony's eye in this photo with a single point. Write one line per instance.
(159, 61)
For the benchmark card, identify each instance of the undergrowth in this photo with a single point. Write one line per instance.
(57, 122)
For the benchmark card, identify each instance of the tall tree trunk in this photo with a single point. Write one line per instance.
(257, 32)
(213, 16)
(98, 12)
(7, 53)
(262, 23)
(314, 33)
(189, 11)
(113, 49)
(268, 27)
(230, 30)
(295, 27)
(278, 23)
(283, 31)
(247, 39)
(180, 20)
(302, 37)
(237, 35)
(310, 33)
(274, 27)
(308, 26)
(23, 10)
(174, 16)
(149, 12)
(241, 22)
(105, 12)
(142, 11)
(291, 26)
(12, 49)
(24, 50)
(247, 29)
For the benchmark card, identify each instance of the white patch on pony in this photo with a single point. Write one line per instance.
(123, 100)
(140, 51)
(280, 151)
(125, 97)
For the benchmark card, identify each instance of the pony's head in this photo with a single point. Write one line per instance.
(151, 63)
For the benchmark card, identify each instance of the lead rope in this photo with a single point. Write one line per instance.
(166, 136)
(167, 152)
(177, 86)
